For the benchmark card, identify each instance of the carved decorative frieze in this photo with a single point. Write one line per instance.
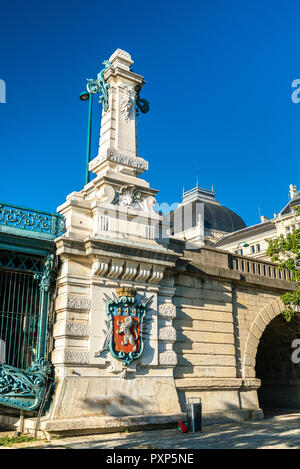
(167, 334)
(76, 357)
(77, 329)
(167, 310)
(81, 303)
(127, 270)
(133, 162)
(168, 359)
(114, 156)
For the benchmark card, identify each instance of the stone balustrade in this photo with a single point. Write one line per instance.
(263, 268)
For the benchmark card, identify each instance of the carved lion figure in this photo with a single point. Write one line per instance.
(125, 328)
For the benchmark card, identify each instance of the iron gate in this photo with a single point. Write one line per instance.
(19, 313)
(24, 299)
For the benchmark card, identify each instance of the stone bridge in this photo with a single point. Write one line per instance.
(227, 309)
(213, 314)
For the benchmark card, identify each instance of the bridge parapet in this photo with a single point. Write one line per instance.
(222, 264)
(262, 268)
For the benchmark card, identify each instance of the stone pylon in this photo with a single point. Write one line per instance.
(112, 263)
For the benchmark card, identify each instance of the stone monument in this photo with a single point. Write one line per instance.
(113, 335)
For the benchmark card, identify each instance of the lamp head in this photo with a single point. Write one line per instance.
(84, 96)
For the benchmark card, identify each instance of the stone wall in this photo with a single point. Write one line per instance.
(205, 331)
(220, 317)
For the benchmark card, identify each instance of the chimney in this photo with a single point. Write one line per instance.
(263, 219)
(293, 191)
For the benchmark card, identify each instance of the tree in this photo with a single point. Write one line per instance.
(285, 251)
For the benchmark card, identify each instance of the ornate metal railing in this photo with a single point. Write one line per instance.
(13, 218)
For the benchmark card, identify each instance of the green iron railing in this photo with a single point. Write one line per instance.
(42, 224)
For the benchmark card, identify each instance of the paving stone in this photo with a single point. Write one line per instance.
(274, 432)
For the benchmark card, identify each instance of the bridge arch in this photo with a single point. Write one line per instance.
(263, 318)
(268, 357)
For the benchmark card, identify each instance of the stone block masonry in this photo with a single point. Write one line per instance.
(220, 318)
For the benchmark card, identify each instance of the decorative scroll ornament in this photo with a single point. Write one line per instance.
(142, 105)
(125, 325)
(24, 389)
(128, 104)
(132, 103)
(45, 276)
(100, 86)
(31, 220)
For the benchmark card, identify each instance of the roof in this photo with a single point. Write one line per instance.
(292, 203)
(216, 216)
(245, 233)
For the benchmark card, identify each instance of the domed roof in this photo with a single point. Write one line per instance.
(201, 201)
(218, 217)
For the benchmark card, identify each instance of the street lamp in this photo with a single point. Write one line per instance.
(86, 96)
(94, 86)
(244, 245)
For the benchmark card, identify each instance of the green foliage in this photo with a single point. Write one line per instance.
(7, 440)
(285, 251)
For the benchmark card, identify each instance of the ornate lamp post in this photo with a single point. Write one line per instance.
(94, 86)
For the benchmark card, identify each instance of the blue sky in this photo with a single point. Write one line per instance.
(218, 73)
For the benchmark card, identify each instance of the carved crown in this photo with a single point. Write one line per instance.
(126, 291)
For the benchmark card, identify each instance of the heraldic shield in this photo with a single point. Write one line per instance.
(126, 316)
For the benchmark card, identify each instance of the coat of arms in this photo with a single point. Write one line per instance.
(125, 325)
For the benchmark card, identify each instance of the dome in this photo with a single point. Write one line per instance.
(202, 202)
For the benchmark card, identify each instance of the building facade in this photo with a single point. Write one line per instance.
(252, 241)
